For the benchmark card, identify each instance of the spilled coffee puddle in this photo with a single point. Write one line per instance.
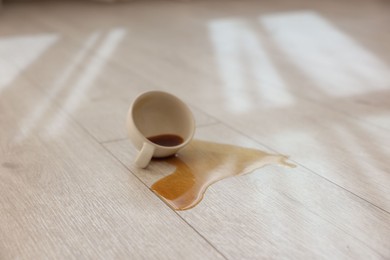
(201, 164)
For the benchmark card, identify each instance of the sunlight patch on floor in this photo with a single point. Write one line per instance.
(88, 74)
(246, 70)
(17, 53)
(38, 114)
(336, 63)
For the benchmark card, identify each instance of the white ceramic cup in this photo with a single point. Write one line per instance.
(157, 113)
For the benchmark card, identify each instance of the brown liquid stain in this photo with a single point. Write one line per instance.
(201, 164)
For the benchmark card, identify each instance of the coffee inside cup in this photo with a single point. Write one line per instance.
(166, 139)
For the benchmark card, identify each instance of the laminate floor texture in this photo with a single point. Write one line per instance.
(309, 79)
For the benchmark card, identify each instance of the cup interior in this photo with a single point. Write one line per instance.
(158, 113)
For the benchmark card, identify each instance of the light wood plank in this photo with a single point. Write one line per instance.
(255, 101)
(274, 207)
(343, 150)
(235, 63)
(285, 69)
(87, 86)
(62, 196)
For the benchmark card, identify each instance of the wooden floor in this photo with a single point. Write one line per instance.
(309, 79)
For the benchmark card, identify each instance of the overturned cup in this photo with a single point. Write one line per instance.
(159, 125)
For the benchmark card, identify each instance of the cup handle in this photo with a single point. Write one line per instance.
(144, 156)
